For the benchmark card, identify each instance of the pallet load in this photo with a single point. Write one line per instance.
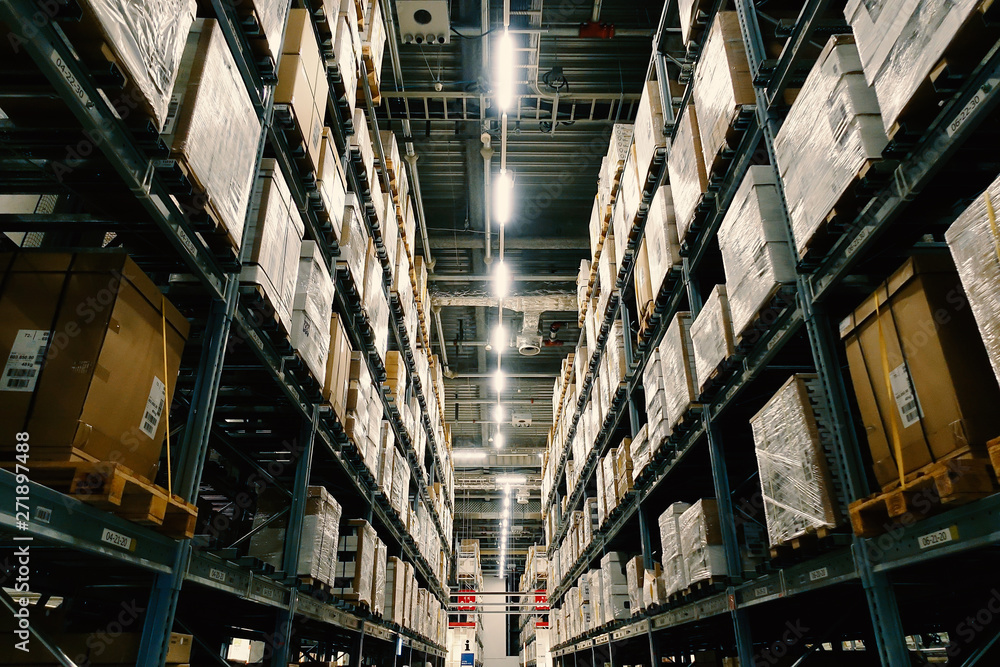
(649, 136)
(607, 272)
(634, 575)
(675, 571)
(347, 56)
(310, 311)
(274, 235)
(386, 459)
(338, 368)
(400, 483)
(215, 131)
(317, 555)
(373, 38)
(639, 451)
(701, 542)
(653, 591)
(354, 244)
(906, 47)
(331, 183)
(268, 17)
(360, 403)
(722, 86)
(361, 148)
(86, 381)
(972, 241)
(791, 436)
(623, 470)
(662, 246)
(379, 580)
(916, 336)
(712, 337)
(755, 251)
(394, 590)
(832, 131)
(686, 168)
(677, 365)
(614, 587)
(627, 204)
(356, 562)
(145, 41)
(302, 85)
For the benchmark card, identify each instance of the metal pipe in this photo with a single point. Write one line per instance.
(487, 153)
(441, 342)
(466, 278)
(545, 376)
(560, 31)
(595, 14)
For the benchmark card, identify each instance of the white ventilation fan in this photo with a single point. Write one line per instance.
(522, 497)
(423, 21)
(520, 419)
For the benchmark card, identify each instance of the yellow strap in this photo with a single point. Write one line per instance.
(992, 217)
(897, 445)
(166, 394)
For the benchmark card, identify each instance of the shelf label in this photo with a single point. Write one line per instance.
(821, 573)
(118, 540)
(760, 591)
(970, 107)
(71, 81)
(938, 537)
(217, 575)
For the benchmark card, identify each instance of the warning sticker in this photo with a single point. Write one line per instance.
(154, 407)
(24, 363)
(906, 398)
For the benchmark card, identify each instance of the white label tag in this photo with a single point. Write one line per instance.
(25, 360)
(968, 111)
(217, 575)
(154, 407)
(906, 398)
(938, 537)
(821, 573)
(117, 539)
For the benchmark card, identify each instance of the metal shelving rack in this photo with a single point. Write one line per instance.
(228, 346)
(865, 571)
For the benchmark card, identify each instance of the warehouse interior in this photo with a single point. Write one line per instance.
(443, 333)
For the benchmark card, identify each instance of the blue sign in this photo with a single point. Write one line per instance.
(468, 659)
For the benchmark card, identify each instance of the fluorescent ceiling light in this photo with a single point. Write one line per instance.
(499, 381)
(503, 195)
(469, 454)
(499, 340)
(505, 71)
(511, 479)
(501, 279)
(498, 414)
(498, 441)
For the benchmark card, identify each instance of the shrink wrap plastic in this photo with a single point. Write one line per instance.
(712, 335)
(675, 572)
(686, 168)
(660, 232)
(312, 308)
(701, 541)
(676, 355)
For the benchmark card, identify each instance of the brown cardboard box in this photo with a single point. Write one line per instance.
(945, 393)
(643, 286)
(99, 648)
(302, 81)
(100, 394)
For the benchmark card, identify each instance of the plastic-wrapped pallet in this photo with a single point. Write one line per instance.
(602, 502)
(831, 131)
(755, 249)
(639, 451)
(712, 336)
(311, 310)
(387, 457)
(722, 84)
(635, 575)
(356, 562)
(400, 481)
(271, 257)
(623, 469)
(649, 135)
(331, 183)
(701, 541)
(973, 239)
(607, 270)
(627, 204)
(354, 243)
(378, 579)
(686, 167)
(653, 591)
(338, 368)
(676, 356)
(346, 51)
(302, 83)
(614, 586)
(790, 434)
(901, 42)
(147, 40)
(662, 246)
(675, 571)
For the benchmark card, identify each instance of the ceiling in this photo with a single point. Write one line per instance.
(440, 99)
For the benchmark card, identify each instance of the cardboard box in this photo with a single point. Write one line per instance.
(701, 541)
(215, 131)
(680, 384)
(686, 168)
(98, 323)
(712, 336)
(314, 292)
(649, 136)
(275, 230)
(331, 183)
(302, 81)
(944, 393)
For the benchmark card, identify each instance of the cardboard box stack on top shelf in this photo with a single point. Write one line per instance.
(302, 83)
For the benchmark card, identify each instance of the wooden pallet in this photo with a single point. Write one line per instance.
(965, 476)
(292, 127)
(255, 298)
(873, 174)
(116, 489)
(809, 542)
(993, 448)
(959, 59)
(740, 118)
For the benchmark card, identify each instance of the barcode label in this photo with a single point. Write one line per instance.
(154, 407)
(905, 396)
(24, 363)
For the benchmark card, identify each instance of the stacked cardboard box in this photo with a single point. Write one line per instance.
(346, 56)
(311, 310)
(373, 37)
(87, 394)
(379, 579)
(649, 136)
(614, 586)
(722, 84)
(675, 570)
(972, 241)
(701, 541)
(791, 433)
(755, 249)
(677, 363)
(215, 130)
(356, 558)
(943, 394)
(660, 234)
(634, 576)
(331, 183)
(639, 451)
(818, 159)
(395, 583)
(653, 384)
(686, 167)
(360, 401)
(623, 470)
(395, 369)
(338, 369)
(712, 336)
(275, 230)
(302, 83)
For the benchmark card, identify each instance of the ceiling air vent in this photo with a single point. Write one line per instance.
(423, 21)
(520, 419)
